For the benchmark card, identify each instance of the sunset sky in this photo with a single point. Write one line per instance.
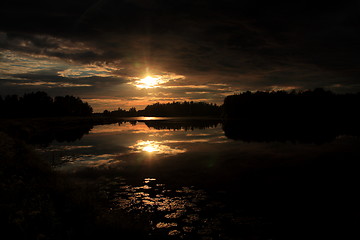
(134, 53)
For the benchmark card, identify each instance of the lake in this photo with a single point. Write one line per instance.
(204, 179)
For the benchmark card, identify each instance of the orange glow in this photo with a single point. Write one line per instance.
(155, 147)
(140, 127)
(148, 82)
(149, 146)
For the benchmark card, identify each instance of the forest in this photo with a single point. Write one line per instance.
(173, 109)
(312, 116)
(40, 104)
(311, 105)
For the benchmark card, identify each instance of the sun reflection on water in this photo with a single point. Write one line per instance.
(151, 148)
(181, 211)
(155, 147)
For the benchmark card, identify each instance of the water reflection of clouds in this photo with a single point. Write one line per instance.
(203, 139)
(122, 127)
(88, 160)
(197, 134)
(111, 144)
(62, 148)
(155, 147)
(134, 127)
(187, 141)
(162, 134)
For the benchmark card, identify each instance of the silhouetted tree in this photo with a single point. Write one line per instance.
(303, 104)
(71, 106)
(132, 110)
(40, 104)
(187, 125)
(37, 104)
(306, 116)
(1, 105)
(123, 113)
(12, 106)
(174, 109)
(182, 109)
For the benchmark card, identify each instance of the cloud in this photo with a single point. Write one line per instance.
(50, 84)
(244, 45)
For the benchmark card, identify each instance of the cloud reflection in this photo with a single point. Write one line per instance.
(76, 162)
(155, 147)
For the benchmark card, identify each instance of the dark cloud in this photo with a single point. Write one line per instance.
(52, 75)
(250, 45)
(46, 45)
(54, 84)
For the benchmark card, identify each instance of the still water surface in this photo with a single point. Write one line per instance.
(192, 182)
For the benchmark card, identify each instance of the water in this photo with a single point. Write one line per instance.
(189, 181)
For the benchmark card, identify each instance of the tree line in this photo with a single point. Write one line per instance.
(173, 109)
(40, 104)
(306, 105)
(311, 116)
(309, 105)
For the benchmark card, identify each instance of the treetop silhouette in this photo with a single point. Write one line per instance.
(40, 104)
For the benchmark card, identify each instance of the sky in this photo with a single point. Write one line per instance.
(186, 50)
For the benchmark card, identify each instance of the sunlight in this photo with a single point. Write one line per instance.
(149, 146)
(148, 82)
(155, 147)
(154, 81)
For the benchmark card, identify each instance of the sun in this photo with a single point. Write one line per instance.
(148, 82)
